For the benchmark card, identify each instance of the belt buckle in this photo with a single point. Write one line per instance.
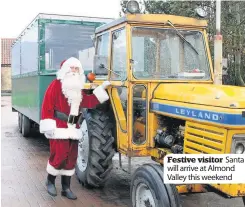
(71, 118)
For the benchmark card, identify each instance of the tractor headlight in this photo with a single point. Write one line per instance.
(238, 144)
(133, 7)
(239, 148)
(201, 12)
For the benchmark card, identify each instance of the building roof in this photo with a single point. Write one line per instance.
(6, 50)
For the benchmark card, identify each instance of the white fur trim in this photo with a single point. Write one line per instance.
(66, 67)
(51, 170)
(101, 94)
(60, 133)
(47, 125)
(75, 107)
(67, 172)
(65, 133)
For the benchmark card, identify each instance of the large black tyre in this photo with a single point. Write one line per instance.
(243, 198)
(94, 161)
(148, 189)
(26, 126)
(20, 122)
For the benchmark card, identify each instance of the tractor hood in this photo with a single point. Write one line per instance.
(203, 94)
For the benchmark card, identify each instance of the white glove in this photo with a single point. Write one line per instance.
(49, 134)
(105, 84)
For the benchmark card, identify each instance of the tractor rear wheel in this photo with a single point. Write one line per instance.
(25, 126)
(95, 150)
(148, 189)
(243, 198)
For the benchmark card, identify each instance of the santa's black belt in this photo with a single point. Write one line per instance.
(70, 119)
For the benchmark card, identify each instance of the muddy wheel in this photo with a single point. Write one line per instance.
(25, 126)
(20, 122)
(148, 189)
(95, 150)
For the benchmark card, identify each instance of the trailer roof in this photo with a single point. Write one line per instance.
(154, 19)
(73, 17)
(64, 17)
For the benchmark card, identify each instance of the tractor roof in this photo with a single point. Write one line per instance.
(154, 19)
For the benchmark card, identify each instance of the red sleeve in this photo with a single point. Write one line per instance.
(89, 101)
(49, 102)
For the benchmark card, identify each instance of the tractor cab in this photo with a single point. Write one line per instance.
(162, 100)
(139, 53)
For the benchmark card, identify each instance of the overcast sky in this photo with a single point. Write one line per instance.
(15, 15)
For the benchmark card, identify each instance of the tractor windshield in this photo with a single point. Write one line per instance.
(169, 54)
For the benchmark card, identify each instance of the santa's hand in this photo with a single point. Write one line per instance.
(105, 84)
(49, 134)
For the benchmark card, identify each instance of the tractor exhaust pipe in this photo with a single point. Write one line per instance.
(218, 47)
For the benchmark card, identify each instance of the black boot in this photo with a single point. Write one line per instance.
(66, 191)
(50, 183)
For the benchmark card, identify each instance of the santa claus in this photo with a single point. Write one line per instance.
(60, 113)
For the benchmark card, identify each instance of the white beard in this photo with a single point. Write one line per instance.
(72, 84)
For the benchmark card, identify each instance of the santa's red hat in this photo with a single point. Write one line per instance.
(62, 63)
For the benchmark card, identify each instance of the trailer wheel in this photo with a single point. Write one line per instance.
(95, 150)
(26, 126)
(20, 122)
(148, 189)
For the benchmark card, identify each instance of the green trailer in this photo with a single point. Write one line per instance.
(36, 56)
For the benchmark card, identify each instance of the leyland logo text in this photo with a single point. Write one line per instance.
(197, 114)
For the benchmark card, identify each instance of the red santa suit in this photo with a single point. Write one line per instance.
(62, 135)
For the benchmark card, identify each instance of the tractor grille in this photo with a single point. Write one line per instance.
(204, 139)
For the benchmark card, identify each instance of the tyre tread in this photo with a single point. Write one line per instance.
(100, 163)
(153, 173)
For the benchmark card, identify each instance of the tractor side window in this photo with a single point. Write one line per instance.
(101, 55)
(139, 114)
(119, 61)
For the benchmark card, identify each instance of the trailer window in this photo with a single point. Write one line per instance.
(63, 41)
(15, 61)
(29, 50)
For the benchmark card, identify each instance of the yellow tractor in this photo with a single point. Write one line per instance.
(162, 100)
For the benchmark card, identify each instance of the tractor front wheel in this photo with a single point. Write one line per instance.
(148, 189)
(95, 149)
